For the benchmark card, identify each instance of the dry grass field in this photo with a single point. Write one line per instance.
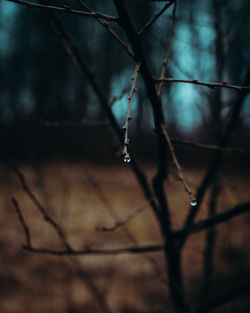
(37, 283)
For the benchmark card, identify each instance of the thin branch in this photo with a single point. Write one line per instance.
(122, 222)
(84, 252)
(133, 89)
(117, 98)
(205, 146)
(165, 61)
(155, 17)
(109, 29)
(22, 221)
(178, 167)
(67, 9)
(209, 85)
(40, 207)
(215, 220)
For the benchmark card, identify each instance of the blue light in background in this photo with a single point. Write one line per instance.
(8, 11)
(119, 83)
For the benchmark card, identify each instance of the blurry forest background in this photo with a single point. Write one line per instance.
(52, 124)
(39, 80)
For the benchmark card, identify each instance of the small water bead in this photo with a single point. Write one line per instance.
(193, 203)
(127, 158)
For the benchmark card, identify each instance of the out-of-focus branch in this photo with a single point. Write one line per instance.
(209, 85)
(155, 17)
(84, 274)
(23, 223)
(40, 207)
(167, 55)
(215, 220)
(85, 252)
(133, 89)
(205, 146)
(178, 167)
(67, 9)
(109, 29)
(122, 222)
(115, 216)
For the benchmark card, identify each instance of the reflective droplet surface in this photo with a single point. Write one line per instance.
(127, 158)
(193, 203)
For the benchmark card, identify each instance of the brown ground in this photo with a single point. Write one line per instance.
(49, 284)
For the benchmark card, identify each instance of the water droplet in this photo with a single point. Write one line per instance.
(127, 158)
(193, 203)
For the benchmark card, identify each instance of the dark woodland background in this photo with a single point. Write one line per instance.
(53, 126)
(39, 81)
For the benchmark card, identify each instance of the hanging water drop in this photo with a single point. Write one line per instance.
(127, 158)
(193, 203)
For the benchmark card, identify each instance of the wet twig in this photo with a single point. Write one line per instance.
(133, 89)
(179, 169)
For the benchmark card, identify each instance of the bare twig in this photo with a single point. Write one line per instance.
(165, 61)
(84, 252)
(23, 223)
(178, 167)
(122, 222)
(215, 220)
(117, 98)
(205, 146)
(209, 85)
(66, 9)
(155, 17)
(109, 29)
(133, 89)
